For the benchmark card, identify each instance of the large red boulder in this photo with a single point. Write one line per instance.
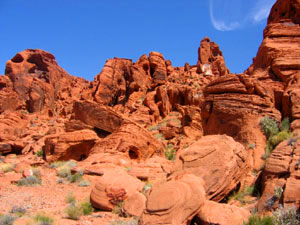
(218, 160)
(174, 202)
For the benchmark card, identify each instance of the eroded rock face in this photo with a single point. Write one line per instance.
(174, 202)
(234, 105)
(210, 59)
(113, 187)
(70, 145)
(278, 56)
(40, 82)
(12, 129)
(282, 171)
(218, 160)
(222, 214)
(121, 135)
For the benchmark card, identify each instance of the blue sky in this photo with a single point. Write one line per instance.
(82, 34)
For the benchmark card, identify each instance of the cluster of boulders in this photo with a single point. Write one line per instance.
(134, 117)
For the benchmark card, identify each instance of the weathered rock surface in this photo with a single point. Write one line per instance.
(70, 145)
(218, 160)
(222, 214)
(39, 83)
(174, 202)
(234, 105)
(113, 187)
(210, 59)
(123, 136)
(281, 171)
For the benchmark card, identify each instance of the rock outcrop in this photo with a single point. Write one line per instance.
(280, 179)
(114, 187)
(234, 105)
(40, 83)
(174, 202)
(218, 160)
(221, 214)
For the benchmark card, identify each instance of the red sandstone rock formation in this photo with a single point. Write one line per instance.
(174, 202)
(218, 160)
(120, 126)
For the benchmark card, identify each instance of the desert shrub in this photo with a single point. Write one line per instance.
(170, 152)
(7, 219)
(275, 136)
(84, 183)
(74, 212)
(278, 138)
(86, 208)
(63, 171)
(269, 126)
(29, 181)
(118, 209)
(19, 211)
(43, 219)
(70, 198)
(247, 191)
(257, 220)
(6, 167)
(270, 203)
(285, 124)
(40, 153)
(58, 164)
(36, 172)
(146, 188)
(284, 216)
(278, 192)
(74, 178)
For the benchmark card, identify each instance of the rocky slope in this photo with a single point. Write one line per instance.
(167, 145)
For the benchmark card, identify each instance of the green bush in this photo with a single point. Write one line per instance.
(63, 171)
(118, 209)
(58, 164)
(275, 136)
(40, 153)
(86, 208)
(278, 192)
(247, 191)
(286, 216)
(19, 211)
(269, 126)
(6, 167)
(146, 188)
(42, 218)
(7, 219)
(170, 152)
(84, 183)
(74, 212)
(257, 220)
(285, 124)
(75, 178)
(36, 172)
(29, 181)
(70, 198)
(278, 138)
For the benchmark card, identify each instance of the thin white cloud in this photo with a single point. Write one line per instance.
(261, 10)
(249, 12)
(219, 24)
